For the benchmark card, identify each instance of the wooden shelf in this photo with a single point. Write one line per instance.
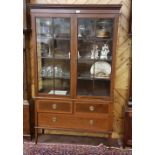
(51, 37)
(95, 38)
(54, 58)
(53, 78)
(86, 60)
(93, 78)
(84, 93)
(46, 91)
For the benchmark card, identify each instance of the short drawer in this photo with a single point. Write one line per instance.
(46, 120)
(91, 108)
(54, 106)
(93, 124)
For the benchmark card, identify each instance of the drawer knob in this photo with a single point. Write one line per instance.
(54, 119)
(91, 122)
(54, 106)
(91, 108)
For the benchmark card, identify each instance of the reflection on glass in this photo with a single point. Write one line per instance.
(61, 27)
(53, 51)
(93, 88)
(94, 56)
(101, 88)
(44, 26)
(86, 27)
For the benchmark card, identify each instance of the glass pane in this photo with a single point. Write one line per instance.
(94, 56)
(44, 26)
(53, 52)
(86, 27)
(101, 88)
(61, 27)
(104, 28)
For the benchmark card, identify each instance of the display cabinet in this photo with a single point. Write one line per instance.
(74, 66)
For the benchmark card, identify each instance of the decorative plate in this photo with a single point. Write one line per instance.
(100, 69)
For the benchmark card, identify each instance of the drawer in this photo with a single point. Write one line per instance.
(93, 124)
(54, 106)
(71, 122)
(91, 108)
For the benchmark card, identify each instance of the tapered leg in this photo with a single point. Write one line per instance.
(43, 131)
(109, 139)
(36, 136)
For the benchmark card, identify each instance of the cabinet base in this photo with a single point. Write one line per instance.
(107, 134)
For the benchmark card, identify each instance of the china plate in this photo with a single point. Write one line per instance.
(100, 67)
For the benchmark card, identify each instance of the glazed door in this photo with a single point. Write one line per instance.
(53, 53)
(94, 55)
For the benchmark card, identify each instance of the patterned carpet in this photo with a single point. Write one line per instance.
(30, 148)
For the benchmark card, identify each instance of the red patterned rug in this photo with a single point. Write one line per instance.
(71, 149)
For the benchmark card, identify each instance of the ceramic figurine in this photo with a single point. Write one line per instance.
(79, 55)
(94, 52)
(81, 30)
(49, 48)
(69, 55)
(49, 71)
(105, 50)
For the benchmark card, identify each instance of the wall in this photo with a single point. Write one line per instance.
(123, 56)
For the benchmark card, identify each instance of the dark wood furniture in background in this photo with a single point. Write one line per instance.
(74, 80)
(27, 109)
(130, 21)
(128, 127)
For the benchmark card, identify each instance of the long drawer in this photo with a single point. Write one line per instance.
(54, 106)
(91, 108)
(47, 120)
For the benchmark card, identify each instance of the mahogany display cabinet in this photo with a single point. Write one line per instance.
(74, 50)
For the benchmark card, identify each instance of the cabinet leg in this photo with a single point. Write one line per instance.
(36, 136)
(43, 131)
(109, 139)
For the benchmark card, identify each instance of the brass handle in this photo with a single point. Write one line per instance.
(54, 119)
(91, 108)
(54, 106)
(91, 122)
